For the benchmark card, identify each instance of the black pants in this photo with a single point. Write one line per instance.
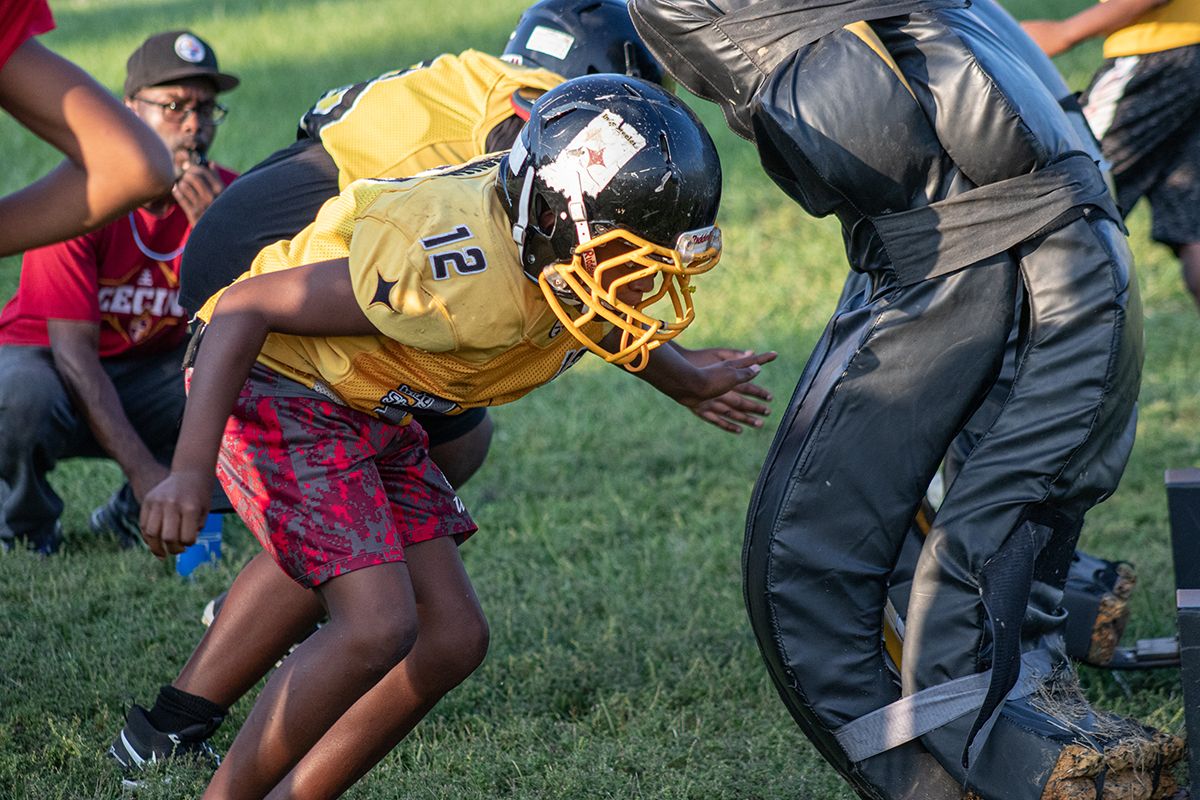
(40, 425)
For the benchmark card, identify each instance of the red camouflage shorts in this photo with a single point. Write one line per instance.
(327, 489)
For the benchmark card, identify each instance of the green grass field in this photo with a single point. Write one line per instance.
(622, 664)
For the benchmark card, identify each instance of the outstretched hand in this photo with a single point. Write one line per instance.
(173, 511)
(726, 395)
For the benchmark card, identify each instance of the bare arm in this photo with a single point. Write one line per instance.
(716, 384)
(1058, 36)
(113, 163)
(74, 346)
(314, 300)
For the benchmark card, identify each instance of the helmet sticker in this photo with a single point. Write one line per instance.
(189, 48)
(594, 156)
(554, 43)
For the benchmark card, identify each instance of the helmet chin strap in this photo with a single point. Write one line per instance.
(583, 231)
(522, 223)
(575, 207)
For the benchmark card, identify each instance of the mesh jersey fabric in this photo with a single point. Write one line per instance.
(435, 270)
(429, 115)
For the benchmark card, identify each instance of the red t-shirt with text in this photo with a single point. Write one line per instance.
(123, 277)
(21, 20)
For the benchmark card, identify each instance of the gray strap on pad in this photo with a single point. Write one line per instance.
(950, 234)
(917, 714)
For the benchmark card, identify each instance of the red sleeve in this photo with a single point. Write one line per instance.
(62, 281)
(23, 19)
(226, 175)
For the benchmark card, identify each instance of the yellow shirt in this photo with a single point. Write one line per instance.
(1175, 24)
(407, 121)
(435, 270)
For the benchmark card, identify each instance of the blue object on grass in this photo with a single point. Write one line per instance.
(207, 548)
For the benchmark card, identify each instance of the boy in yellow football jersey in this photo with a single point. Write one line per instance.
(1143, 104)
(461, 288)
(447, 110)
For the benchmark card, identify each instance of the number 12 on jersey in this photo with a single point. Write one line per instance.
(464, 260)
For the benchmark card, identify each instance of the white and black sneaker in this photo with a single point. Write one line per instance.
(114, 520)
(140, 744)
(212, 609)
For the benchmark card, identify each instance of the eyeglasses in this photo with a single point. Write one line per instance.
(210, 112)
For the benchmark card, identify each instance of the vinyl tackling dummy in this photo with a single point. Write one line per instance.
(960, 184)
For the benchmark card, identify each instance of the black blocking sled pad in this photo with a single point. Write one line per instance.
(992, 296)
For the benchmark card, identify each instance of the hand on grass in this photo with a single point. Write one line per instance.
(173, 511)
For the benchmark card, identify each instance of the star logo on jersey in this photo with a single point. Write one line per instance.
(139, 328)
(383, 292)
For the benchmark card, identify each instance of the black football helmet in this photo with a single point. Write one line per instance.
(581, 37)
(617, 166)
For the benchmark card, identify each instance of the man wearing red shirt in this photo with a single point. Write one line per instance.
(90, 345)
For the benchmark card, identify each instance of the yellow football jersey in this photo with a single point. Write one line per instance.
(407, 121)
(1174, 24)
(435, 270)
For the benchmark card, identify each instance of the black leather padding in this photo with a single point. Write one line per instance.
(902, 367)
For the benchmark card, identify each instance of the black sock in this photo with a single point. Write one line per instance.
(176, 710)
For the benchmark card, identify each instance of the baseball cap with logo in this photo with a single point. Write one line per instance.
(173, 56)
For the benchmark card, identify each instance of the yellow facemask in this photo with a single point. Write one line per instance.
(577, 295)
